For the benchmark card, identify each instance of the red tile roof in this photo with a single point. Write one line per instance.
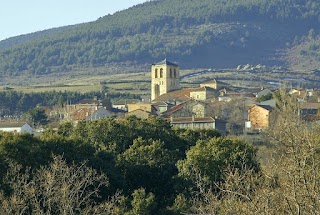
(180, 95)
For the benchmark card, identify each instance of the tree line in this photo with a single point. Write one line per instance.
(15, 103)
(145, 161)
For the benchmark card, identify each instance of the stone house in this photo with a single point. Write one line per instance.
(309, 108)
(214, 84)
(199, 123)
(202, 93)
(188, 109)
(259, 117)
(142, 106)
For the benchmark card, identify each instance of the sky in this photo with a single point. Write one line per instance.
(19, 17)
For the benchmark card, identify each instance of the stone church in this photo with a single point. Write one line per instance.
(164, 78)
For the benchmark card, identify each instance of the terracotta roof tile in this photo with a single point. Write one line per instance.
(180, 95)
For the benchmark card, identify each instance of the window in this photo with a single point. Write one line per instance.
(161, 73)
(175, 73)
(170, 73)
(156, 73)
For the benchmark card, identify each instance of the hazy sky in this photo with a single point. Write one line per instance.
(26, 16)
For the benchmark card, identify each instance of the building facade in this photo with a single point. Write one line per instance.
(259, 117)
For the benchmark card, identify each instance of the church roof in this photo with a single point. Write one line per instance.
(177, 95)
(166, 62)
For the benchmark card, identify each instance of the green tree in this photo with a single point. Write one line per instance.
(153, 163)
(208, 159)
(143, 203)
(265, 97)
(37, 116)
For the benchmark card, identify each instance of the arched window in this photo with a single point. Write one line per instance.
(161, 73)
(170, 73)
(175, 73)
(156, 73)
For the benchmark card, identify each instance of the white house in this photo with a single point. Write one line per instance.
(17, 127)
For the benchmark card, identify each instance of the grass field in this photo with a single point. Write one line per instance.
(139, 82)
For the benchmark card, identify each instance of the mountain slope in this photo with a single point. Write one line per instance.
(212, 33)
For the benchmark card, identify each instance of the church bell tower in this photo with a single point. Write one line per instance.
(164, 78)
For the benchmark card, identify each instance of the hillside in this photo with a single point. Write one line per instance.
(207, 33)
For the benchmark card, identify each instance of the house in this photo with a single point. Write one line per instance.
(79, 114)
(16, 127)
(203, 93)
(142, 106)
(188, 109)
(199, 123)
(101, 113)
(214, 84)
(308, 108)
(162, 106)
(263, 92)
(259, 117)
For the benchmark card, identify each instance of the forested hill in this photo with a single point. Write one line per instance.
(206, 33)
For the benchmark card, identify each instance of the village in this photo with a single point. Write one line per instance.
(212, 105)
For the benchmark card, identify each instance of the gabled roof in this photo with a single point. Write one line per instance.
(12, 124)
(310, 105)
(172, 110)
(140, 110)
(264, 92)
(165, 62)
(270, 102)
(181, 106)
(201, 89)
(267, 107)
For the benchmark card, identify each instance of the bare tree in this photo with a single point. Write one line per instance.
(58, 188)
(288, 184)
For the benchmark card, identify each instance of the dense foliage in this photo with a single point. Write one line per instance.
(139, 157)
(206, 31)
